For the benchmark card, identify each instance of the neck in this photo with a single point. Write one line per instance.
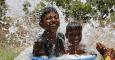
(51, 36)
(74, 42)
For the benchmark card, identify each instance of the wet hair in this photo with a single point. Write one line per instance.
(73, 26)
(45, 11)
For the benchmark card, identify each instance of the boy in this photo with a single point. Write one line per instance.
(74, 35)
(51, 41)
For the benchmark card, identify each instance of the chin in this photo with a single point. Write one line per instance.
(54, 30)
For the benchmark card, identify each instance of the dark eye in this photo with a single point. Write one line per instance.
(49, 18)
(56, 17)
(72, 34)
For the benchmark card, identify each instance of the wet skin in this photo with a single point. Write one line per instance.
(51, 22)
(74, 37)
(105, 51)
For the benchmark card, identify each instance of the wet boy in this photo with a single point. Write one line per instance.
(74, 35)
(50, 43)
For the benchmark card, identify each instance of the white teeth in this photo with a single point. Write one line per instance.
(53, 25)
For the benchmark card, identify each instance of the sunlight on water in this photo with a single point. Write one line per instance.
(28, 30)
(25, 28)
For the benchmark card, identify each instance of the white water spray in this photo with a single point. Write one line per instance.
(28, 30)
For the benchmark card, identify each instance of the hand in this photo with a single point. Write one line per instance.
(101, 48)
(79, 51)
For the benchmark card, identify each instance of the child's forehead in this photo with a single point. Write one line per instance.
(52, 13)
(74, 26)
(74, 31)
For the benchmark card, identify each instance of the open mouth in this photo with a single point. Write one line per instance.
(53, 26)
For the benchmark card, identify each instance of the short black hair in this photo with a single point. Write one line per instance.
(73, 26)
(45, 11)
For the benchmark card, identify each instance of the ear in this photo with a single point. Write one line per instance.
(41, 24)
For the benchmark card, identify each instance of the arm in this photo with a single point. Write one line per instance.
(80, 50)
(37, 49)
(61, 42)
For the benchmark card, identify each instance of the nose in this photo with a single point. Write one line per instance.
(76, 37)
(53, 20)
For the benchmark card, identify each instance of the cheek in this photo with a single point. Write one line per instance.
(58, 21)
(77, 38)
(71, 38)
(47, 22)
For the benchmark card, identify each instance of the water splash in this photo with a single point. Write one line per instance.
(93, 32)
(28, 30)
(25, 28)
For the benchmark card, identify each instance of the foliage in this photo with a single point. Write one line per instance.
(81, 11)
(3, 9)
(103, 6)
(26, 5)
(112, 17)
(7, 53)
(39, 6)
(75, 9)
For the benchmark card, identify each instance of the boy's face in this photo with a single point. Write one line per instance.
(51, 21)
(74, 36)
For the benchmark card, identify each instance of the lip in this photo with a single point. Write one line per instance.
(53, 26)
